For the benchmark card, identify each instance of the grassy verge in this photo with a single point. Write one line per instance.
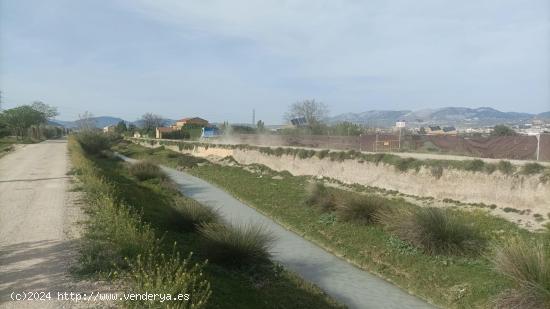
(448, 280)
(143, 232)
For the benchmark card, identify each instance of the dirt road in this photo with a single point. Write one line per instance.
(35, 249)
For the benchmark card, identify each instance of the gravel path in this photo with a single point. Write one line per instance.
(35, 250)
(339, 279)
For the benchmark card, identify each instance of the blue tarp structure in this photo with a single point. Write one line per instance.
(210, 132)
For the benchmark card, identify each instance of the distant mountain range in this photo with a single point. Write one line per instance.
(455, 116)
(448, 116)
(104, 121)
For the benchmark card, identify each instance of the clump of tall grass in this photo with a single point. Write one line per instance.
(236, 246)
(93, 142)
(192, 215)
(527, 264)
(476, 165)
(161, 274)
(144, 170)
(363, 210)
(319, 196)
(531, 168)
(435, 230)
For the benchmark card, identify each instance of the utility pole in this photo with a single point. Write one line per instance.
(538, 146)
(253, 117)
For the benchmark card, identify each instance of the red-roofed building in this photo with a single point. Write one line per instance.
(193, 121)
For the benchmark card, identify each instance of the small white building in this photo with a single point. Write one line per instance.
(400, 124)
(109, 129)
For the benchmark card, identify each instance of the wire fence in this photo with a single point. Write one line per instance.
(520, 147)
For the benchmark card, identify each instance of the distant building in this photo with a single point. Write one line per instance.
(450, 131)
(400, 124)
(159, 132)
(299, 122)
(191, 121)
(137, 134)
(109, 129)
(209, 132)
(434, 130)
(437, 130)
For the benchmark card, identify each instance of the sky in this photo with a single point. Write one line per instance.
(221, 59)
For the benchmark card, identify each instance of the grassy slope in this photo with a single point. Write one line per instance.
(230, 289)
(446, 281)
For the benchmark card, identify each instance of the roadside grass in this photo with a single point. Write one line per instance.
(446, 279)
(171, 220)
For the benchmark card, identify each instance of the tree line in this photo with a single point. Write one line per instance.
(29, 121)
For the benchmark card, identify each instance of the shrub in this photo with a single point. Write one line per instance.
(319, 196)
(476, 165)
(160, 274)
(528, 266)
(192, 215)
(435, 230)
(188, 161)
(404, 164)
(236, 246)
(437, 171)
(505, 167)
(490, 168)
(362, 209)
(322, 153)
(531, 168)
(144, 170)
(93, 142)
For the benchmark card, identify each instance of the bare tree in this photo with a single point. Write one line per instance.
(86, 121)
(314, 112)
(48, 110)
(151, 121)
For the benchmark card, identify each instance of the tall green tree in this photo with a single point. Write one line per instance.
(502, 130)
(121, 127)
(21, 118)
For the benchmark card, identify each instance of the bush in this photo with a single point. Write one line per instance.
(505, 167)
(93, 142)
(528, 266)
(435, 230)
(531, 168)
(404, 164)
(322, 153)
(319, 196)
(188, 161)
(160, 274)
(363, 210)
(192, 215)
(236, 246)
(437, 171)
(474, 165)
(144, 170)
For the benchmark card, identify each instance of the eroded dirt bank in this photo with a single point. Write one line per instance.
(518, 192)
